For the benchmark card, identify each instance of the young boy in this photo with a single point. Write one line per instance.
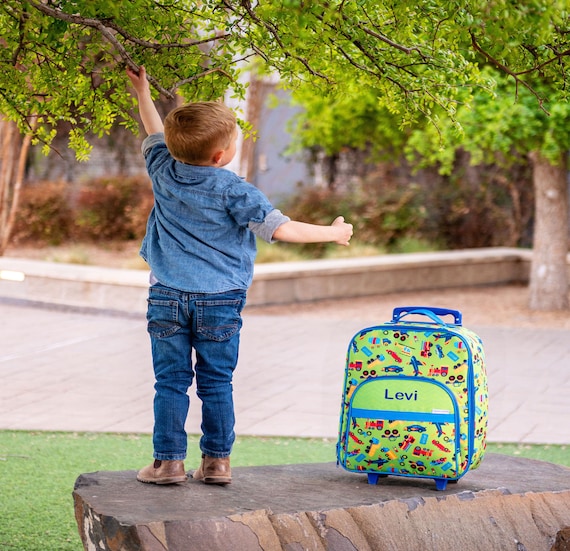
(200, 246)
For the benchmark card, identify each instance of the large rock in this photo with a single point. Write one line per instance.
(562, 542)
(508, 503)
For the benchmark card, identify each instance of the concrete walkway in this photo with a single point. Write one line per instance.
(75, 371)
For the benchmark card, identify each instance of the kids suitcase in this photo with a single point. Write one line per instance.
(415, 398)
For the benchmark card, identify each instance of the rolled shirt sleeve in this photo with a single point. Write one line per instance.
(266, 229)
(150, 141)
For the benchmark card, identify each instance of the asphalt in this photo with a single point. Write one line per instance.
(70, 370)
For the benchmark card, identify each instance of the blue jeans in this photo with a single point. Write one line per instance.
(178, 323)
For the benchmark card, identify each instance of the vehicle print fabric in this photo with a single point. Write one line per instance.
(415, 399)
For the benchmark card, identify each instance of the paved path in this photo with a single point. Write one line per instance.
(72, 371)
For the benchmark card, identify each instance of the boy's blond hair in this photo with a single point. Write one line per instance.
(194, 132)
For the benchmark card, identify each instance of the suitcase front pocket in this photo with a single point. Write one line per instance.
(403, 425)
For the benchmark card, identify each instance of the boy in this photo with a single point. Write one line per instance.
(200, 246)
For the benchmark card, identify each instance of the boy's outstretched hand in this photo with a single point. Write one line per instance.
(138, 79)
(345, 231)
(149, 115)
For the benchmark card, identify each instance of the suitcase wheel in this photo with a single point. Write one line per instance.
(373, 478)
(440, 484)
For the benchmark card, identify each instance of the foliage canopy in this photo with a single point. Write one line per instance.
(63, 60)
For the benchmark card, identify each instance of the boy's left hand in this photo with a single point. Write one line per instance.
(345, 231)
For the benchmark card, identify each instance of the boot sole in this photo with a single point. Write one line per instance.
(171, 480)
(218, 481)
(221, 481)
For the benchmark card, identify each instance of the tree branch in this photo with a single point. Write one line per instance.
(557, 57)
(108, 29)
(107, 24)
(507, 71)
(274, 32)
(168, 45)
(20, 47)
(195, 77)
(393, 44)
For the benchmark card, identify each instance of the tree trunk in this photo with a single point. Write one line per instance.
(549, 272)
(13, 154)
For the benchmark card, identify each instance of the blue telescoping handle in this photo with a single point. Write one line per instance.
(429, 311)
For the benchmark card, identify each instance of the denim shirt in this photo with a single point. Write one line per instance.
(200, 234)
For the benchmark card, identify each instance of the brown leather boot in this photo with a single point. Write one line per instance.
(163, 472)
(214, 470)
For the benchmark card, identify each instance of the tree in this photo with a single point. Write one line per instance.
(498, 130)
(494, 128)
(64, 59)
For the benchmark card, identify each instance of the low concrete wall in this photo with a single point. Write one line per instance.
(73, 285)
(277, 283)
(327, 279)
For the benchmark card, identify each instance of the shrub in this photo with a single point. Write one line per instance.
(485, 206)
(102, 209)
(44, 215)
(112, 208)
(382, 215)
(396, 208)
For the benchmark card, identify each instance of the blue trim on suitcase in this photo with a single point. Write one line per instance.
(403, 415)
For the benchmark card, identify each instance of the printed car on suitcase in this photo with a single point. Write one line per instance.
(415, 399)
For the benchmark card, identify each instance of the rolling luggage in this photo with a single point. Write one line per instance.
(415, 398)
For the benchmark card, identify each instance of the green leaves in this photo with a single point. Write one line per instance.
(66, 60)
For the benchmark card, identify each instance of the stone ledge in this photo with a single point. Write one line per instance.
(508, 503)
(289, 282)
(125, 291)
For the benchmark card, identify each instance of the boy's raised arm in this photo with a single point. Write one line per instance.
(149, 115)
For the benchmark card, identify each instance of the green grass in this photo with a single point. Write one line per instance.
(38, 471)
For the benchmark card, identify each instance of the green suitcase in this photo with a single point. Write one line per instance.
(415, 398)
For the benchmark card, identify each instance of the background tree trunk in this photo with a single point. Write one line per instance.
(549, 272)
(13, 154)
